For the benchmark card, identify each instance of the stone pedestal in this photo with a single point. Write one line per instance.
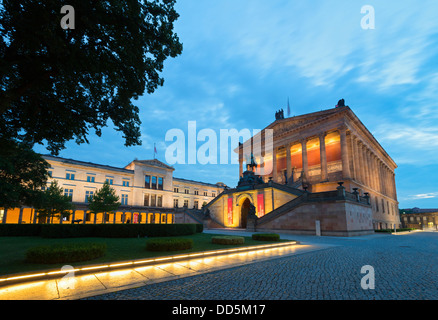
(251, 224)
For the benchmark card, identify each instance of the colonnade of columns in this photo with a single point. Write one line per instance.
(305, 162)
(82, 218)
(359, 162)
(371, 171)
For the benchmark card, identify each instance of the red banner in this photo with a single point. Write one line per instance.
(230, 211)
(135, 218)
(260, 205)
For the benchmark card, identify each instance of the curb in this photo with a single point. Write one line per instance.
(87, 269)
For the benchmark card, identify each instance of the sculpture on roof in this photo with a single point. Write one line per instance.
(279, 115)
(341, 103)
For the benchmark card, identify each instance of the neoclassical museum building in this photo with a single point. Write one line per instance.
(327, 175)
(147, 190)
(322, 173)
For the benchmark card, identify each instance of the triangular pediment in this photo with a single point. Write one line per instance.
(302, 120)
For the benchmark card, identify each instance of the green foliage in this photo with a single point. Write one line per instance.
(177, 244)
(266, 237)
(199, 228)
(104, 200)
(53, 203)
(392, 230)
(65, 253)
(228, 240)
(22, 174)
(56, 84)
(116, 230)
(20, 230)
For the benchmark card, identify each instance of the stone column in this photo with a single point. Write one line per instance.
(274, 164)
(344, 153)
(20, 216)
(368, 167)
(358, 167)
(362, 164)
(382, 186)
(323, 157)
(375, 174)
(288, 163)
(73, 216)
(240, 164)
(304, 157)
(5, 214)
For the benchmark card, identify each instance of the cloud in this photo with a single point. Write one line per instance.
(430, 195)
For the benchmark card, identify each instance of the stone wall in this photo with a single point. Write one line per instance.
(337, 218)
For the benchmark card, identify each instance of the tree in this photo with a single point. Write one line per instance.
(56, 84)
(22, 175)
(53, 203)
(104, 201)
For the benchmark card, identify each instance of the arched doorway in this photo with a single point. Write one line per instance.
(244, 213)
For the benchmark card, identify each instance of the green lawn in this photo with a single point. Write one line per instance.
(13, 250)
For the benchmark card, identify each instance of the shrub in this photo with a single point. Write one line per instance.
(199, 228)
(266, 237)
(176, 244)
(65, 253)
(116, 230)
(19, 230)
(227, 240)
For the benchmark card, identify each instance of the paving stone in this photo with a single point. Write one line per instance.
(406, 268)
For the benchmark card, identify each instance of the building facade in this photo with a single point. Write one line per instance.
(317, 150)
(424, 219)
(147, 190)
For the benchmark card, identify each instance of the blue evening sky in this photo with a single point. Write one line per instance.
(243, 59)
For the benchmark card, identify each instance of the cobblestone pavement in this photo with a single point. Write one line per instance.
(405, 266)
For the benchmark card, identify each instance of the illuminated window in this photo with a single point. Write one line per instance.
(146, 200)
(147, 182)
(88, 196)
(153, 200)
(124, 199)
(70, 176)
(69, 193)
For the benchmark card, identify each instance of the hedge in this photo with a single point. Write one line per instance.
(65, 253)
(169, 244)
(20, 230)
(227, 240)
(99, 230)
(266, 237)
